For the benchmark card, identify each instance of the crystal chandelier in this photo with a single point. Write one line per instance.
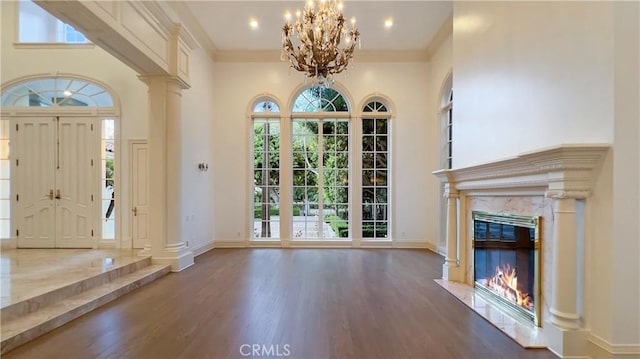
(319, 32)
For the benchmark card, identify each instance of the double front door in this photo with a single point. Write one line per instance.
(55, 172)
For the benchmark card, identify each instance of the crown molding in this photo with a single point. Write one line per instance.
(194, 28)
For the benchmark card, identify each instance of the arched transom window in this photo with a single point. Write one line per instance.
(56, 91)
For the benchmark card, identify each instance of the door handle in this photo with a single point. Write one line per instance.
(51, 194)
(135, 211)
(58, 194)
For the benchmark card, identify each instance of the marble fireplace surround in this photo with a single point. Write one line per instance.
(553, 183)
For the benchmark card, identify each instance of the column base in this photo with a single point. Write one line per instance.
(568, 321)
(452, 273)
(177, 260)
(566, 343)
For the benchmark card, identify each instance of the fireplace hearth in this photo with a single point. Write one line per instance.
(506, 262)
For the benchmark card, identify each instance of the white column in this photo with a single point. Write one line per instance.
(451, 267)
(564, 301)
(167, 245)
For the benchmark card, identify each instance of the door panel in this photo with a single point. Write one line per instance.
(34, 166)
(74, 181)
(139, 194)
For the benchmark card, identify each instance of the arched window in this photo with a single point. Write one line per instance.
(320, 158)
(446, 121)
(375, 170)
(265, 118)
(56, 91)
(59, 95)
(446, 149)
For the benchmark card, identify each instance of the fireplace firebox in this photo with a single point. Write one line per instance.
(507, 261)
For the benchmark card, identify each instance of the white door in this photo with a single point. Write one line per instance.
(55, 176)
(33, 142)
(75, 183)
(139, 194)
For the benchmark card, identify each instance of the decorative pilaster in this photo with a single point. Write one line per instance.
(167, 244)
(564, 301)
(566, 331)
(451, 266)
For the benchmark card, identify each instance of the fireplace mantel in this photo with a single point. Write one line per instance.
(564, 170)
(554, 183)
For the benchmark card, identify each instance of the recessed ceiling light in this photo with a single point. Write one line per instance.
(67, 93)
(253, 23)
(388, 22)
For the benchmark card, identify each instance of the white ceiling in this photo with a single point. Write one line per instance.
(226, 23)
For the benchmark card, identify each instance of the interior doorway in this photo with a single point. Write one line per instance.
(53, 180)
(139, 193)
(59, 142)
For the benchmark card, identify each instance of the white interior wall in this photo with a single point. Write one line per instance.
(197, 147)
(530, 75)
(415, 148)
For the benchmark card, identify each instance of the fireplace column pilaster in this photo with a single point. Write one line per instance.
(564, 304)
(451, 266)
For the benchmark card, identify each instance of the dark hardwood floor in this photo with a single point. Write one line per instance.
(308, 303)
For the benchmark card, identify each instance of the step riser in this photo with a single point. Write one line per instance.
(34, 304)
(11, 341)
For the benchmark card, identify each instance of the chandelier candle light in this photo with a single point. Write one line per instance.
(320, 31)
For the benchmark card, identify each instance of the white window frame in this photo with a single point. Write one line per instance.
(377, 115)
(61, 32)
(271, 115)
(321, 116)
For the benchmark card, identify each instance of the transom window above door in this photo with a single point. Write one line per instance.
(56, 91)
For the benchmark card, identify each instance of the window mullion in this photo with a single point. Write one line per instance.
(320, 178)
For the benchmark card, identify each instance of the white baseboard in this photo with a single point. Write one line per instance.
(600, 348)
(266, 244)
(222, 243)
(405, 244)
(320, 244)
(411, 244)
(202, 248)
(375, 244)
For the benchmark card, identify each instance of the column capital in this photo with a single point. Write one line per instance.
(450, 191)
(150, 79)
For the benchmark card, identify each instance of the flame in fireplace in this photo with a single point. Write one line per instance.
(505, 284)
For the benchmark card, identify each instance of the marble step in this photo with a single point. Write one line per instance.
(39, 301)
(32, 325)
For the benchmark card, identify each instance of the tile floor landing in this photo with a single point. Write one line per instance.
(43, 289)
(27, 273)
